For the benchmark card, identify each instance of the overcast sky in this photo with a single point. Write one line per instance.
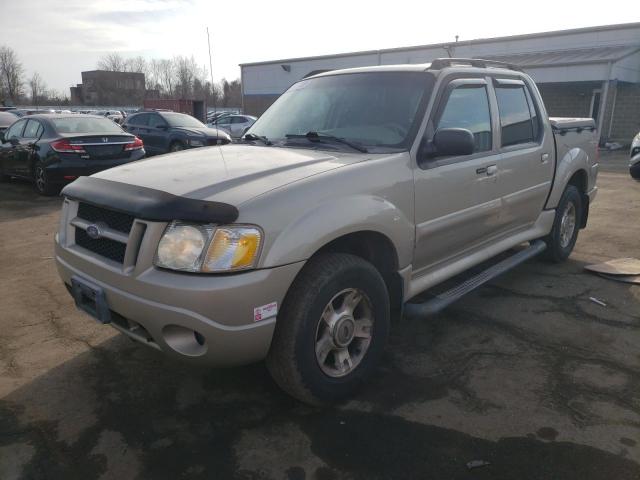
(60, 38)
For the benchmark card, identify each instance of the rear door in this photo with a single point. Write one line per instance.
(526, 167)
(139, 126)
(157, 135)
(10, 152)
(32, 133)
(456, 199)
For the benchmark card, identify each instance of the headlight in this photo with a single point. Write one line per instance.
(196, 142)
(207, 248)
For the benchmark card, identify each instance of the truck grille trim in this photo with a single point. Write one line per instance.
(102, 246)
(121, 222)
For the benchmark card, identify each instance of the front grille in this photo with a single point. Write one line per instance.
(115, 220)
(102, 246)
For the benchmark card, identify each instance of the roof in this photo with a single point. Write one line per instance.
(568, 57)
(479, 41)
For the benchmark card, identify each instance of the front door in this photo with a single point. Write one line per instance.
(456, 200)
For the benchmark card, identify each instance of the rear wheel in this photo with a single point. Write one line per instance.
(563, 236)
(332, 329)
(176, 147)
(41, 181)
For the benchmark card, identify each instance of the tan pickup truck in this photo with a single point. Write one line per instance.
(357, 190)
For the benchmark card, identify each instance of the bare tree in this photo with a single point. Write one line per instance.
(37, 87)
(167, 75)
(138, 65)
(11, 72)
(186, 72)
(112, 62)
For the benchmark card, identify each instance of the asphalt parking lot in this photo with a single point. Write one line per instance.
(526, 374)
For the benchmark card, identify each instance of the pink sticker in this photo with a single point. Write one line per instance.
(265, 311)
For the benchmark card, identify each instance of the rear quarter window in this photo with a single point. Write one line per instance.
(516, 122)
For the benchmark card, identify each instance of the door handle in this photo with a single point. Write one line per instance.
(491, 170)
(544, 158)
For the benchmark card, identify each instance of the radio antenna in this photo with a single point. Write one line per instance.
(213, 86)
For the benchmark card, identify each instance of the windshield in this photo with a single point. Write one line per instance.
(378, 109)
(82, 124)
(182, 120)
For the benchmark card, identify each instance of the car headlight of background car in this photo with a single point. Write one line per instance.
(208, 248)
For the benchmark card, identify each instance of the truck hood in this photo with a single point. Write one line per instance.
(231, 174)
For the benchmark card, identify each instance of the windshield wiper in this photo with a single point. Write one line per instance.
(262, 138)
(315, 137)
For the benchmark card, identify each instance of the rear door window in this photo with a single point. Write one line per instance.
(156, 120)
(468, 107)
(33, 130)
(141, 120)
(239, 120)
(516, 122)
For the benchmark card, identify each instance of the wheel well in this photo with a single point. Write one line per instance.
(378, 250)
(579, 180)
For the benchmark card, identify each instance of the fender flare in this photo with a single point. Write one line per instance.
(574, 160)
(365, 213)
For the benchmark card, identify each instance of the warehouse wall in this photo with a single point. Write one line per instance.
(626, 117)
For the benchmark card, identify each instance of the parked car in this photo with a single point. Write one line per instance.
(55, 149)
(358, 190)
(235, 125)
(6, 119)
(164, 132)
(114, 115)
(634, 163)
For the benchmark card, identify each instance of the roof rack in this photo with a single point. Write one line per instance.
(440, 63)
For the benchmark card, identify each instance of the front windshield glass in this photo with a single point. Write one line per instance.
(182, 120)
(378, 109)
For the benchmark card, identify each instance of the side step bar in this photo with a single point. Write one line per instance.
(445, 299)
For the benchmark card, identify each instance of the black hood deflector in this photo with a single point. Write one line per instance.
(147, 203)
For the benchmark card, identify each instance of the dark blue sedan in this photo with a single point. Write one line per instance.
(55, 149)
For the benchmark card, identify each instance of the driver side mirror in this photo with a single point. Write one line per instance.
(14, 141)
(453, 142)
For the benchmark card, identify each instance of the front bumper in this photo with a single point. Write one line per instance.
(634, 167)
(163, 309)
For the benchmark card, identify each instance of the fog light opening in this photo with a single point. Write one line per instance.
(185, 341)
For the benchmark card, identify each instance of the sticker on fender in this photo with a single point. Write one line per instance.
(265, 311)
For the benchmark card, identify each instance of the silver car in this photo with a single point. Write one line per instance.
(234, 125)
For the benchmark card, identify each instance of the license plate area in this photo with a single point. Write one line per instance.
(91, 299)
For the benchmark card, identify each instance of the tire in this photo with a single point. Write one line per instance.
(41, 181)
(176, 146)
(3, 176)
(562, 239)
(302, 337)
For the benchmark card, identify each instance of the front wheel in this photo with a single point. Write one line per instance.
(332, 329)
(563, 236)
(176, 147)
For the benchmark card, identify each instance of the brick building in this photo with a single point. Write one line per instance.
(101, 87)
(586, 72)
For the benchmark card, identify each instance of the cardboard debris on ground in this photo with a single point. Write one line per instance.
(618, 266)
(625, 270)
(635, 279)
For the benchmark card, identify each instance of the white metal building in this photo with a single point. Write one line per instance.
(586, 72)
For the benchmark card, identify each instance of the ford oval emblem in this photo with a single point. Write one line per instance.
(93, 231)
